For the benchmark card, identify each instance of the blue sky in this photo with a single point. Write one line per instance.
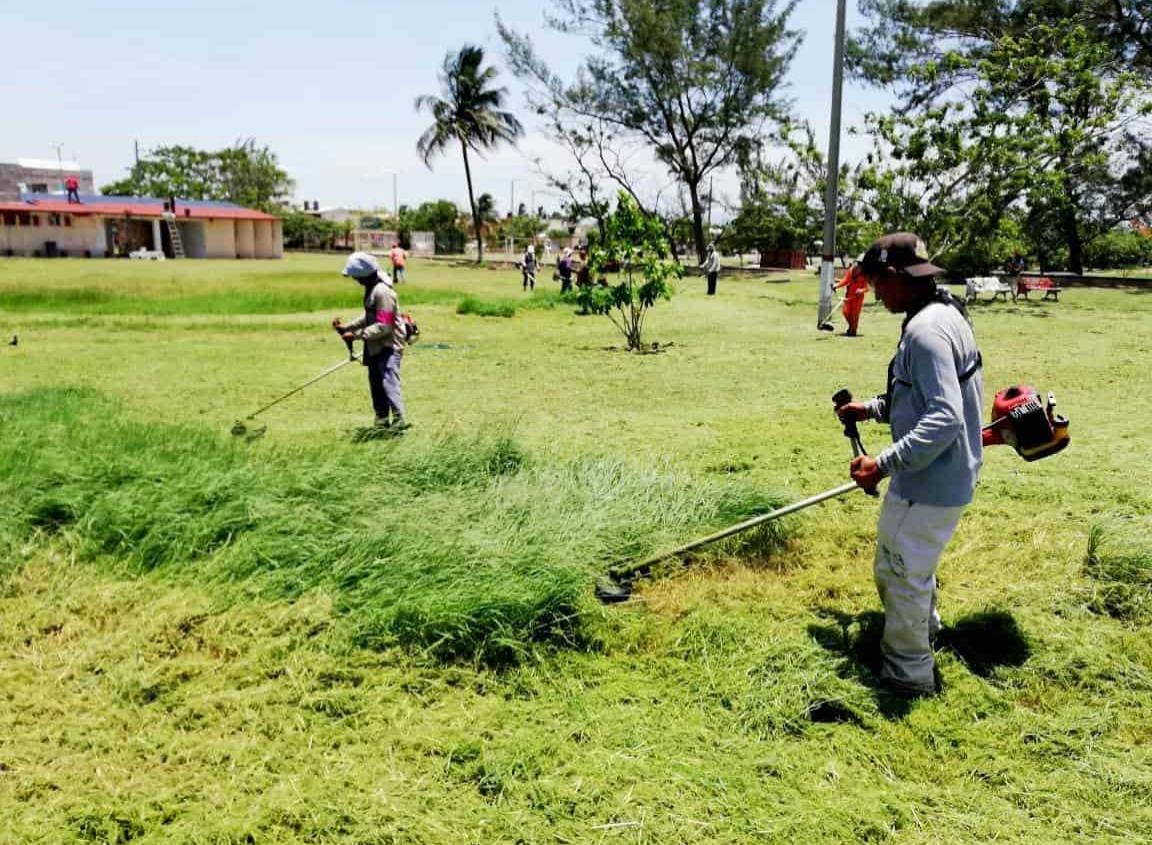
(328, 86)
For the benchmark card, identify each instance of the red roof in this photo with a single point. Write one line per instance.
(116, 207)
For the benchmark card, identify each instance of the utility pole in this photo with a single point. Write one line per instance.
(136, 149)
(832, 193)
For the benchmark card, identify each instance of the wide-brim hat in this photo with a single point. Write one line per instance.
(361, 265)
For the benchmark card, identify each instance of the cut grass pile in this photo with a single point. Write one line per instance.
(458, 547)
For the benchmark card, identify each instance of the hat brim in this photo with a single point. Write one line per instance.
(925, 270)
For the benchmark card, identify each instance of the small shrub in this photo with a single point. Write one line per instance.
(635, 244)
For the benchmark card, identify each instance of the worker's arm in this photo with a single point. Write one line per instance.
(352, 327)
(932, 371)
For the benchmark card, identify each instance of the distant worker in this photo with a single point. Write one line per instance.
(382, 330)
(399, 259)
(855, 285)
(564, 269)
(584, 274)
(72, 186)
(711, 268)
(932, 403)
(528, 267)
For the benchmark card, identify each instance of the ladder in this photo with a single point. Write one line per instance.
(174, 233)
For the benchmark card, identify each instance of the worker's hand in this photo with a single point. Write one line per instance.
(852, 411)
(348, 335)
(865, 472)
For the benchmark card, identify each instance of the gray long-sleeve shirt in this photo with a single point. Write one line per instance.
(380, 327)
(936, 452)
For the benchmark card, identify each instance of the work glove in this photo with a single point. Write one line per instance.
(348, 336)
(865, 472)
(857, 411)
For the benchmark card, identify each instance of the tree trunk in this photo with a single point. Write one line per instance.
(1072, 240)
(697, 220)
(472, 203)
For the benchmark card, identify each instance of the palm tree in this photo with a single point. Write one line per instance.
(469, 112)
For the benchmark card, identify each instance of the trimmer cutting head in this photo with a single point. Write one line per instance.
(250, 432)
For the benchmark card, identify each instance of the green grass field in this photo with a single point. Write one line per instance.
(307, 639)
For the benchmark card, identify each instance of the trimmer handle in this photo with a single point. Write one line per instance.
(839, 399)
(339, 329)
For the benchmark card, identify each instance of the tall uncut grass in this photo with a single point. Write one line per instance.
(457, 546)
(1119, 562)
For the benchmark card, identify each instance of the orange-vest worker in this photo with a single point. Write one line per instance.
(855, 284)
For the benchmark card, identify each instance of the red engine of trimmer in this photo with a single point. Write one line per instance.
(1028, 425)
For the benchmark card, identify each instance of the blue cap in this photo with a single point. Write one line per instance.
(361, 265)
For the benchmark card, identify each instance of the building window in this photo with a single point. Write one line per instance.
(25, 218)
(68, 221)
(54, 220)
(38, 187)
(9, 218)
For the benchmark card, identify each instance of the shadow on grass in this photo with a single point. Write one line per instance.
(983, 641)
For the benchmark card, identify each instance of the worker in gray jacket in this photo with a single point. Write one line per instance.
(933, 403)
(382, 330)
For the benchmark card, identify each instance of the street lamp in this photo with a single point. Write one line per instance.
(395, 203)
(512, 197)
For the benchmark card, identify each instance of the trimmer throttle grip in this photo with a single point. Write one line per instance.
(339, 329)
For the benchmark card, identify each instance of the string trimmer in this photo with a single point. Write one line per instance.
(1019, 419)
(241, 428)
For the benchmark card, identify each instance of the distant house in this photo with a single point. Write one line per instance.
(40, 176)
(43, 224)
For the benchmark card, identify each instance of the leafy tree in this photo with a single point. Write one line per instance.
(635, 243)
(304, 231)
(1011, 114)
(1120, 248)
(909, 35)
(694, 81)
(469, 113)
(441, 217)
(782, 201)
(521, 228)
(244, 173)
(430, 216)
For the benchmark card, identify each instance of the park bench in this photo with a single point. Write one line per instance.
(1024, 286)
(977, 285)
